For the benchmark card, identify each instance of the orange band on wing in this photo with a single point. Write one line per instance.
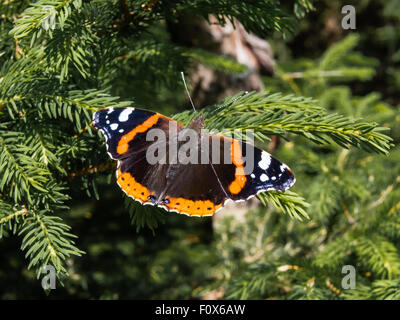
(133, 188)
(141, 193)
(240, 178)
(123, 144)
(190, 207)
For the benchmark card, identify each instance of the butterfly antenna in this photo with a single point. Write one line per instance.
(231, 102)
(187, 91)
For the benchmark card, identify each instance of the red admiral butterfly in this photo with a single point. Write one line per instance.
(195, 189)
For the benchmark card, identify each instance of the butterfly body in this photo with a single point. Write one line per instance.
(218, 169)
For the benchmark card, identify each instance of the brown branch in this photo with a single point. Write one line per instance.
(92, 169)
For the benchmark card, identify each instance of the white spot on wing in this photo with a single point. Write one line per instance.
(110, 110)
(124, 116)
(252, 175)
(114, 126)
(265, 161)
(121, 130)
(264, 177)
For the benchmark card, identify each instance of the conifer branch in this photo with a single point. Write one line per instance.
(32, 19)
(273, 114)
(47, 240)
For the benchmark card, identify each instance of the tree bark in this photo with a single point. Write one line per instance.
(210, 86)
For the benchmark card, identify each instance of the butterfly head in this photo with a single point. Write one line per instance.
(197, 123)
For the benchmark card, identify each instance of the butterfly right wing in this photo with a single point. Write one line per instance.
(250, 171)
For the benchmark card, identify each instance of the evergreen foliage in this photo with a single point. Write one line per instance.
(353, 200)
(60, 61)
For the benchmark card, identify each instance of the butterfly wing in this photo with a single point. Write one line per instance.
(201, 189)
(125, 130)
(251, 171)
(193, 189)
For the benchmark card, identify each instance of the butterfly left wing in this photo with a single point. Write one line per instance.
(125, 130)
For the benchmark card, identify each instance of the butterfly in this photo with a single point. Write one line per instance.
(194, 188)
